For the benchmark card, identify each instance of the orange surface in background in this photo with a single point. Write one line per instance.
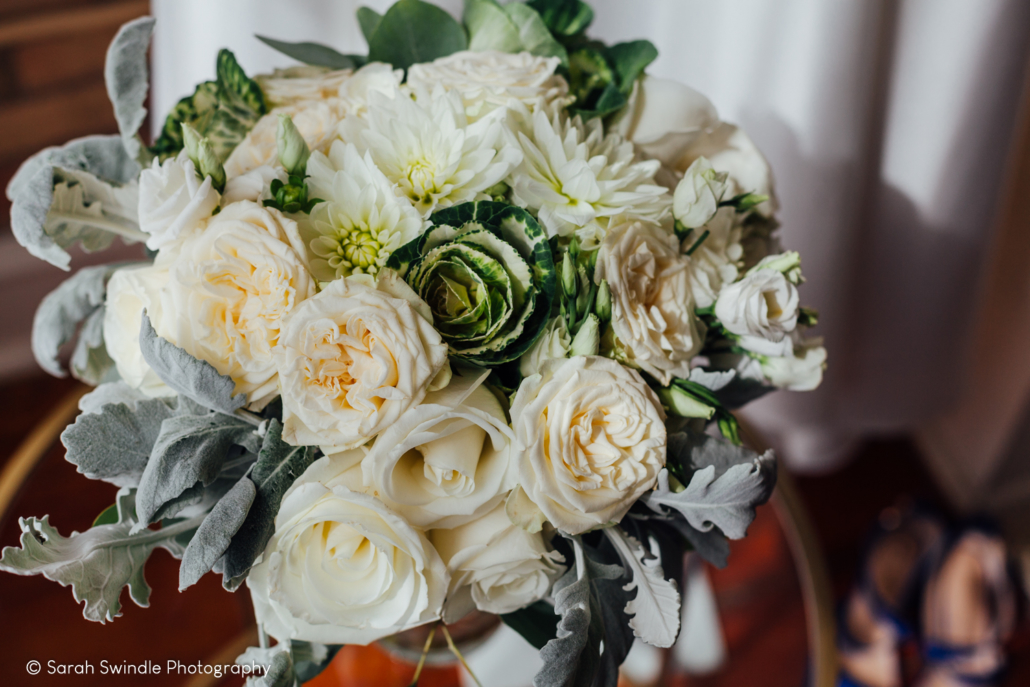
(370, 666)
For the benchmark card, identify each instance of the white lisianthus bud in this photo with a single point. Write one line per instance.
(680, 403)
(553, 343)
(203, 156)
(494, 565)
(802, 370)
(588, 338)
(762, 309)
(293, 149)
(788, 263)
(698, 194)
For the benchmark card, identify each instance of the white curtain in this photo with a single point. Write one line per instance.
(887, 125)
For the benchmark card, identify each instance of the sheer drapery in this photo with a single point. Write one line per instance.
(887, 124)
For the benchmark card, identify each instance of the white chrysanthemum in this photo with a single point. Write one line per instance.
(428, 148)
(576, 178)
(362, 221)
(487, 79)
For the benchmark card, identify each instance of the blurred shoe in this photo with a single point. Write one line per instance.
(882, 610)
(969, 611)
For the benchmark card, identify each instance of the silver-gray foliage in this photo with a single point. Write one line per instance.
(128, 79)
(188, 455)
(186, 375)
(63, 310)
(215, 533)
(113, 442)
(96, 180)
(727, 483)
(97, 563)
(655, 609)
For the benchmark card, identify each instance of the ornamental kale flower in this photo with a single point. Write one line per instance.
(486, 271)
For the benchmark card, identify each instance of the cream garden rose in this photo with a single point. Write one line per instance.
(342, 568)
(130, 291)
(174, 200)
(253, 185)
(448, 460)
(761, 309)
(652, 300)
(229, 289)
(590, 438)
(297, 84)
(488, 79)
(495, 566)
(353, 359)
(315, 120)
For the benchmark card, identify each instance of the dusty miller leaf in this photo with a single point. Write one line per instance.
(727, 484)
(655, 610)
(101, 170)
(188, 454)
(186, 375)
(128, 79)
(114, 442)
(111, 392)
(90, 361)
(215, 533)
(278, 466)
(97, 563)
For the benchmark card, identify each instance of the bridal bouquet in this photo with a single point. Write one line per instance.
(435, 329)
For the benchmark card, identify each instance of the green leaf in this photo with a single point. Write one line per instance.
(315, 54)
(114, 443)
(128, 80)
(196, 379)
(368, 20)
(533, 32)
(490, 27)
(216, 532)
(63, 310)
(99, 562)
(84, 192)
(189, 453)
(564, 17)
(278, 466)
(537, 623)
(726, 485)
(108, 516)
(413, 31)
(630, 60)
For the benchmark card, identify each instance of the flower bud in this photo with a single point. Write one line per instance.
(698, 194)
(293, 149)
(588, 338)
(202, 154)
(603, 304)
(789, 263)
(679, 402)
(569, 278)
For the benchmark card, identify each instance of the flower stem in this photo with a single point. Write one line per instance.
(425, 652)
(454, 650)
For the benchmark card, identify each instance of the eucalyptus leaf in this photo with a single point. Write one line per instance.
(533, 32)
(278, 465)
(315, 54)
(215, 533)
(490, 27)
(195, 379)
(629, 60)
(413, 31)
(368, 20)
(95, 201)
(97, 563)
(727, 484)
(128, 80)
(655, 610)
(63, 310)
(190, 451)
(113, 442)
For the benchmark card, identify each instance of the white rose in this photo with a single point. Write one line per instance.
(652, 304)
(488, 79)
(173, 200)
(253, 185)
(717, 260)
(590, 439)
(315, 120)
(554, 342)
(802, 370)
(129, 292)
(230, 288)
(447, 460)
(663, 118)
(352, 360)
(729, 149)
(295, 84)
(342, 568)
(762, 309)
(495, 566)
